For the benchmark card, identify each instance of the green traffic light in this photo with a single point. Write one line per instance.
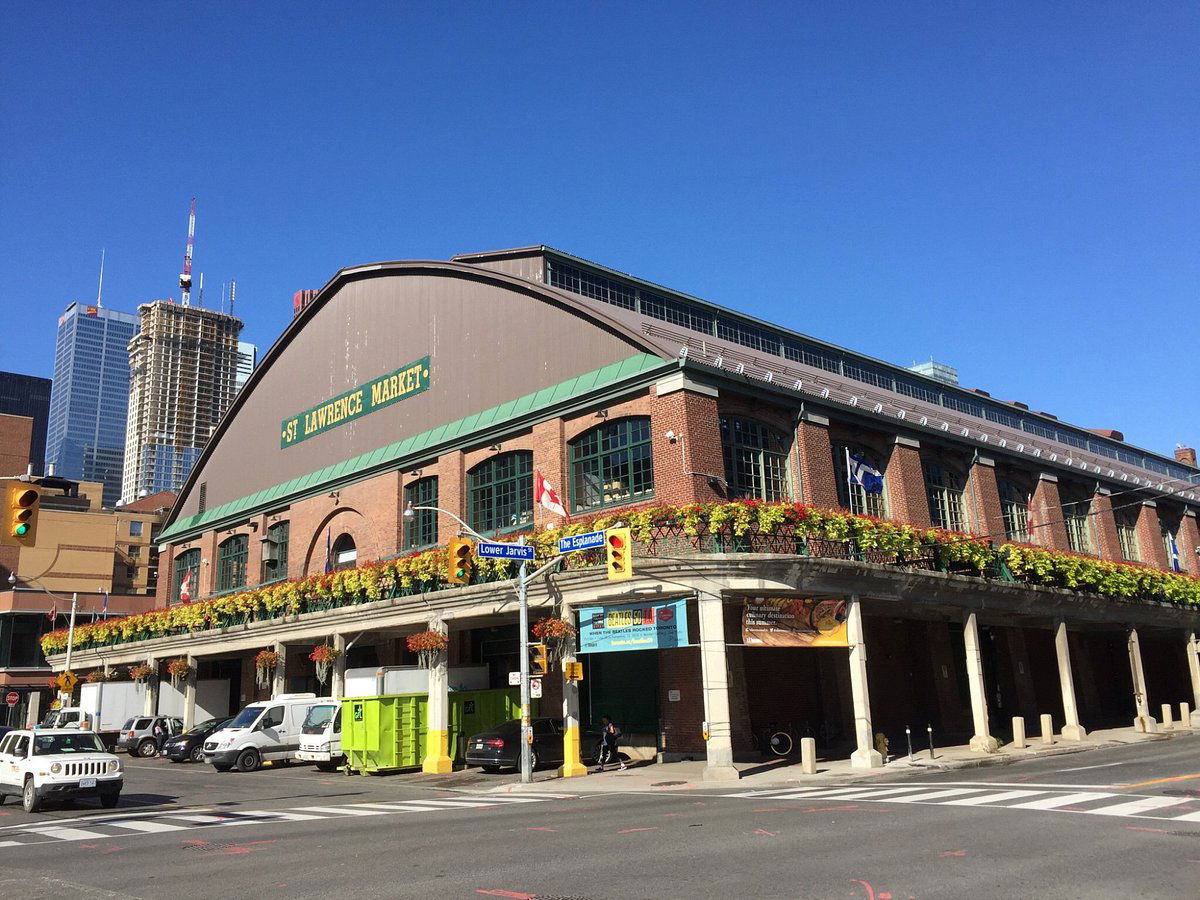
(21, 529)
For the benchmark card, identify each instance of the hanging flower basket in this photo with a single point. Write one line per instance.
(265, 664)
(179, 669)
(427, 645)
(140, 673)
(556, 633)
(95, 676)
(323, 655)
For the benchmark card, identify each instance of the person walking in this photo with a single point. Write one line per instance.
(610, 736)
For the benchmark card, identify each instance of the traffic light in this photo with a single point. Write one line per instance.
(21, 502)
(539, 664)
(618, 545)
(460, 559)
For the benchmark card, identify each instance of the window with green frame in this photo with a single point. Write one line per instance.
(422, 529)
(756, 460)
(1014, 507)
(852, 495)
(1077, 519)
(500, 492)
(231, 562)
(944, 490)
(1126, 520)
(612, 463)
(188, 561)
(274, 570)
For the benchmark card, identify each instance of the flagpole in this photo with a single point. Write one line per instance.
(849, 482)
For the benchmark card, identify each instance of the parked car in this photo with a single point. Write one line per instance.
(137, 735)
(58, 764)
(501, 747)
(264, 730)
(190, 744)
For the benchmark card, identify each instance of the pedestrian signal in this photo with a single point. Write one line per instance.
(618, 545)
(460, 559)
(539, 663)
(21, 503)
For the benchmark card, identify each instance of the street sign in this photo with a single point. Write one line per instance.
(487, 550)
(67, 681)
(535, 687)
(12, 698)
(589, 541)
(514, 678)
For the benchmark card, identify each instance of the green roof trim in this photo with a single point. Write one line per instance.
(395, 455)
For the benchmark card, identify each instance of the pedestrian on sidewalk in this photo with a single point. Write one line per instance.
(610, 736)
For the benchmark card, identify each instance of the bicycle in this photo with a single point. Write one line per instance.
(774, 740)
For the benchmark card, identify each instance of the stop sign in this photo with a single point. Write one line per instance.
(12, 698)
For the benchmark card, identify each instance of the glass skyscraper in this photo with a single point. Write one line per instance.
(89, 401)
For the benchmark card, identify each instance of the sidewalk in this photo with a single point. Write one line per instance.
(689, 775)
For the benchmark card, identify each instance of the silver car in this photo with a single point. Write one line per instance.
(138, 736)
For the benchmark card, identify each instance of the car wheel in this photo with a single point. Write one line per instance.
(30, 798)
(491, 770)
(248, 760)
(147, 748)
(533, 759)
(197, 754)
(109, 799)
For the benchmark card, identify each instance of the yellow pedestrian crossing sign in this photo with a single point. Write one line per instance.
(67, 681)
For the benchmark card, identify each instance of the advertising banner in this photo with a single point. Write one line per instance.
(635, 626)
(794, 622)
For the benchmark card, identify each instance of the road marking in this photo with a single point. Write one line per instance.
(199, 819)
(450, 804)
(1187, 817)
(341, 810)
(934, 795)
(1101, 766)
(1062, 800)
(1138, 784)
(992, 798)
(66, 834)
(148, 827)
(1135, 807)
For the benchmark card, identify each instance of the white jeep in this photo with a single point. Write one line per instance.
(58, 764)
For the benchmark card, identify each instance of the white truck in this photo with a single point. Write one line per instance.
(321, 736)
(104, 707)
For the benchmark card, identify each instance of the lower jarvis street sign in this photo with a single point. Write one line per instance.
(486, 550)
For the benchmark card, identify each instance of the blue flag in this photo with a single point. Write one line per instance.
(864, 474)
(1174, 552)
(328, 560)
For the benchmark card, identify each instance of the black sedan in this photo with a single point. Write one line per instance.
(190, 744)
(501, 747)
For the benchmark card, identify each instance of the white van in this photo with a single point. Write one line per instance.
(266, 730)
(321, 736)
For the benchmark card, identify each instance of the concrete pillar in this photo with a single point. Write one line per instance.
(189, 696)
(1167, 724)
(716, 689)
(572, 766)
(808, 756)
(1047, 729)
(1143, 721)
(1193, 660)
(1185, 715)
(32, 716)
(337, 689)
(865, 756)
(1072, 730)
(150, 706)
(279, 682)
(437, 737)
(1018, 741)
(981, 740)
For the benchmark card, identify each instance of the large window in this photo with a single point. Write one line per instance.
(231, 562)
(422, 529)
(755, 460)
(275, 561)
(1127, 533)
(344, 554)
(944, 489)
(852, 495)
(612, 463)
(187, 566)
(1014, 506)
(501, 492)
(1077, 518)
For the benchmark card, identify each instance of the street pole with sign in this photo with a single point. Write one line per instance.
(65, 696)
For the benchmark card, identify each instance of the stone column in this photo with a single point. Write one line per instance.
(1104, 526)
(865, 756)
(572, 757)
(337, 688)
(1143, 721)
(982, 739)
(1151, 549)
(716, 689)
(437, 737)
(1072, 730)
(151, 699)
(279, 682)
(1193, 659)
(818, 474)
(983, 489)
(905, 484)
(189, 695)
(1046, 526)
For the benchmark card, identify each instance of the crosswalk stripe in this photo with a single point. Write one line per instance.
(66, 834)
(268, 815)
(509, 798)
(934, 795)
(992, 798)
(812, 793)
(1136, 807)
(451, 804)
(394, 807)
(1186, 817)
(149, 827)
(199, 818)
(341, 810)
(1062, 800)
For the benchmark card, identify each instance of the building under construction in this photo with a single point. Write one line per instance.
(183, 367)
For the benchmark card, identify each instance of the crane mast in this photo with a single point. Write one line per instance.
(185, 277)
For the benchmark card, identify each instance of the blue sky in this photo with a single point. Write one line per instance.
(1010, 188)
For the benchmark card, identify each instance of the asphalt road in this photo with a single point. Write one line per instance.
(1108, 823)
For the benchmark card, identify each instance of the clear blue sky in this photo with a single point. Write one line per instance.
(1010, 188)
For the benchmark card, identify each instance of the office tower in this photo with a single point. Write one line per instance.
(247, 360)
(28, 395)
(85, 439)
(183, 366)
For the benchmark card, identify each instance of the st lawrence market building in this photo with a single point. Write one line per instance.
(823, 543)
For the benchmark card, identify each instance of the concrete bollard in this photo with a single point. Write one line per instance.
(808, 756)
(1018, 741)
(1047, 729)
(1166, 717)
(1185, 715)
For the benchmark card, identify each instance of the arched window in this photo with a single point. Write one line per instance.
(275, 552)
(944, 489)
(755, 460)
(422, 529)
(611, 464)
(852, 495)
(343, 555)
(187, 567)
(500, 492)
(1014, 506)
(231, 562)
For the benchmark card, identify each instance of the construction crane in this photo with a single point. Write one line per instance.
(185, 277)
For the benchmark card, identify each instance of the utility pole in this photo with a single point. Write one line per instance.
(66, 700)
(526, 722)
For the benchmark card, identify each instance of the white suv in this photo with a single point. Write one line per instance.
(58, 764)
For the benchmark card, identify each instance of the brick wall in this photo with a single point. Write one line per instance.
(1151, 549)
(693, 417)
(983, 492)
(818, 475)
(1046, 515)
(1104, 527)
(905, 485)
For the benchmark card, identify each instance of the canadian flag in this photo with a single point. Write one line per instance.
(53, 614)
(185, 588)
(543, 493)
